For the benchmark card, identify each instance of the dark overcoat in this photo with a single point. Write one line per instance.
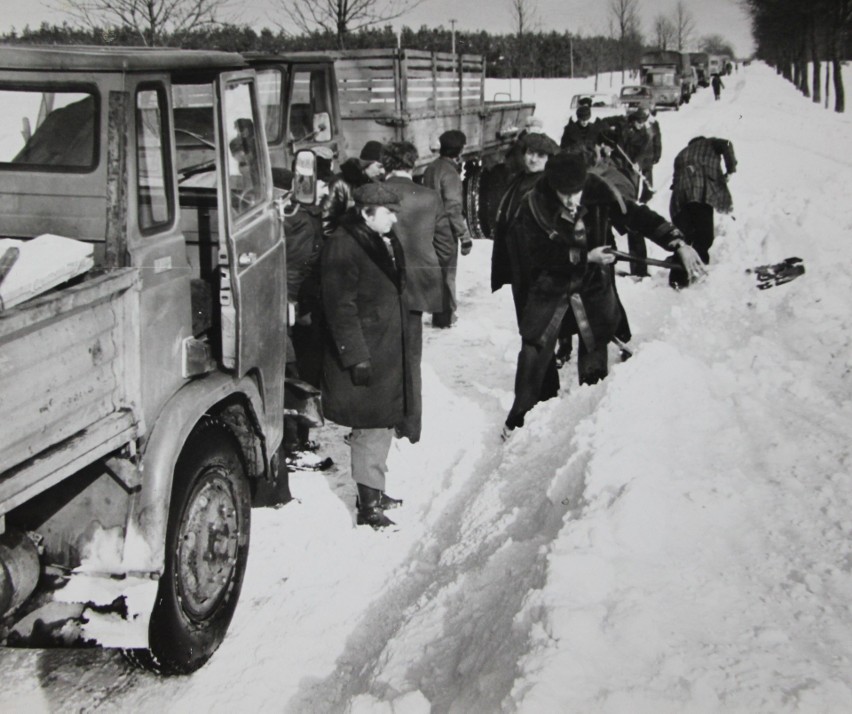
(365, 317)
(443, 175)
(424, 232)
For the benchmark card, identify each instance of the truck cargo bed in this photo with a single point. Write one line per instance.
(69, 382)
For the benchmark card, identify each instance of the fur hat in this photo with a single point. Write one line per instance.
(640, 114)
(534, 125)
(584, 112)
(566, 172)
(539, 144)
(399, 155)
(584, 102)
(452, 142)
(374, 194)
(372, 151)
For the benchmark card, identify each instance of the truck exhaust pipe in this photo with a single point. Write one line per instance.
(19, 570)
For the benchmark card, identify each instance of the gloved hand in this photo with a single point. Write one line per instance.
(361, 373)
(466, 245)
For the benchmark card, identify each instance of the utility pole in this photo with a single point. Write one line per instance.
(453, 34)
(571, 51)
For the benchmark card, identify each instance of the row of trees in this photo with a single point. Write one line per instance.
(332, 24)
(792, 33)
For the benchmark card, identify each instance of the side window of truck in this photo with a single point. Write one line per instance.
(310, 110)
(269, 84)
(246, 175)
(153, 180)
(47, 129)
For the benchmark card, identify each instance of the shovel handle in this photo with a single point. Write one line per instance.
(619, 255)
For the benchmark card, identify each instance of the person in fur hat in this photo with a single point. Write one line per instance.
(567, 217)
(354, 172)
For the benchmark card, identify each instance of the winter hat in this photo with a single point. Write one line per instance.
(372, 151)
(452, 142)
(641, 114)
(539, 144)
(534, 125)
(374, 194)
(584, 102)
(584, 112)
(399, 155)
(566, 172)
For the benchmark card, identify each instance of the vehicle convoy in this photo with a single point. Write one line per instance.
(343, 99)
(142, 403)
(669, 74)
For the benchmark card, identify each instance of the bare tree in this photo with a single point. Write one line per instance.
(152, 20)
(524, 21)
(340, 17)
(624, 25)
(665, 32)
(684, 25)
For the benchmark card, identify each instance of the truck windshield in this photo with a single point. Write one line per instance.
(661, 79)
(48, 129)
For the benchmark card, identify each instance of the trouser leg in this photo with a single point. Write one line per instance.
(369, 450)
(592, 364)
(413, 422)
(638, 249)
(448, 272)
(535, 364)
(695, 221)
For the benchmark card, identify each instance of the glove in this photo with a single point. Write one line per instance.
(466, 246)
(361, 373)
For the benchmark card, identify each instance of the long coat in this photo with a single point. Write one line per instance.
(698, 175)
(442, 175)
(559, 251)
(365, 313)
(424, 232)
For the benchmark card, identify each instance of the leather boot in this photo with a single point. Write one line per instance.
(388, 502)
(369, 508)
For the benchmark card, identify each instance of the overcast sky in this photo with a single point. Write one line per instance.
(723, 17)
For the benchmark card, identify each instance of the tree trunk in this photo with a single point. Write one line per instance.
(815, 60)
(839, 93)
(827, 82)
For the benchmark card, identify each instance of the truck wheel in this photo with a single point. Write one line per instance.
(472, 181)
(493, 186)
(207, 544)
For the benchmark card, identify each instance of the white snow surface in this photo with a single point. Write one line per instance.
(675, 538)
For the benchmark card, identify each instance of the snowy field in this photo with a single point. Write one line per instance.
(673, 539)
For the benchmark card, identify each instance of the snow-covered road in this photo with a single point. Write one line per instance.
(674, 539)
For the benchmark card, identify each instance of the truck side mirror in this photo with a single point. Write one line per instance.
(305, 178)
(322, 127)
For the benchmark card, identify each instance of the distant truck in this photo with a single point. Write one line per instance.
(716, 64)
(142, 404)
(700, 61)
(343, 99)
(669, 74)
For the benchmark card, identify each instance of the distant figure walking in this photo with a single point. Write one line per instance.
(717, 86)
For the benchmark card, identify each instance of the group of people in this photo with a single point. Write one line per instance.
(388, 248)
(377, 252)
(554, 240)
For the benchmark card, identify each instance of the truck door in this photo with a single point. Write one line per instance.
(252, 261)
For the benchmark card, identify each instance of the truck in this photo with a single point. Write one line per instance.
(342, 99)
(701, 62)
(142, 402)
(669, 74)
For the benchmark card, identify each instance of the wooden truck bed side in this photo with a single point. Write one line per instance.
(69, 382)
(415, 95)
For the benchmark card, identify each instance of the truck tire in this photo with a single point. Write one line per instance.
(492, 187)
(207, 543)
(472, 181)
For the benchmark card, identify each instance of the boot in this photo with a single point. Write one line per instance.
(387, 502)
(369, 507)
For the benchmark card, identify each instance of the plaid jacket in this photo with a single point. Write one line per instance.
(698, 175)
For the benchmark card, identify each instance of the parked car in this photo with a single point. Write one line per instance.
(634, 96)
(602, 105)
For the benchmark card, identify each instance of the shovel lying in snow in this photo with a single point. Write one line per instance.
(768, 276)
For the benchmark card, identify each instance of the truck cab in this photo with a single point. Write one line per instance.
(143, 401)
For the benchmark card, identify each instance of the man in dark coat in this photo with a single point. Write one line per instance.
(443, 175)
(424, 232)
(642, 142)
(699, 187)
(717, 86)
(568, 217)
(580, 134)
(354, 172)
(366, 381)
(510, 264)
